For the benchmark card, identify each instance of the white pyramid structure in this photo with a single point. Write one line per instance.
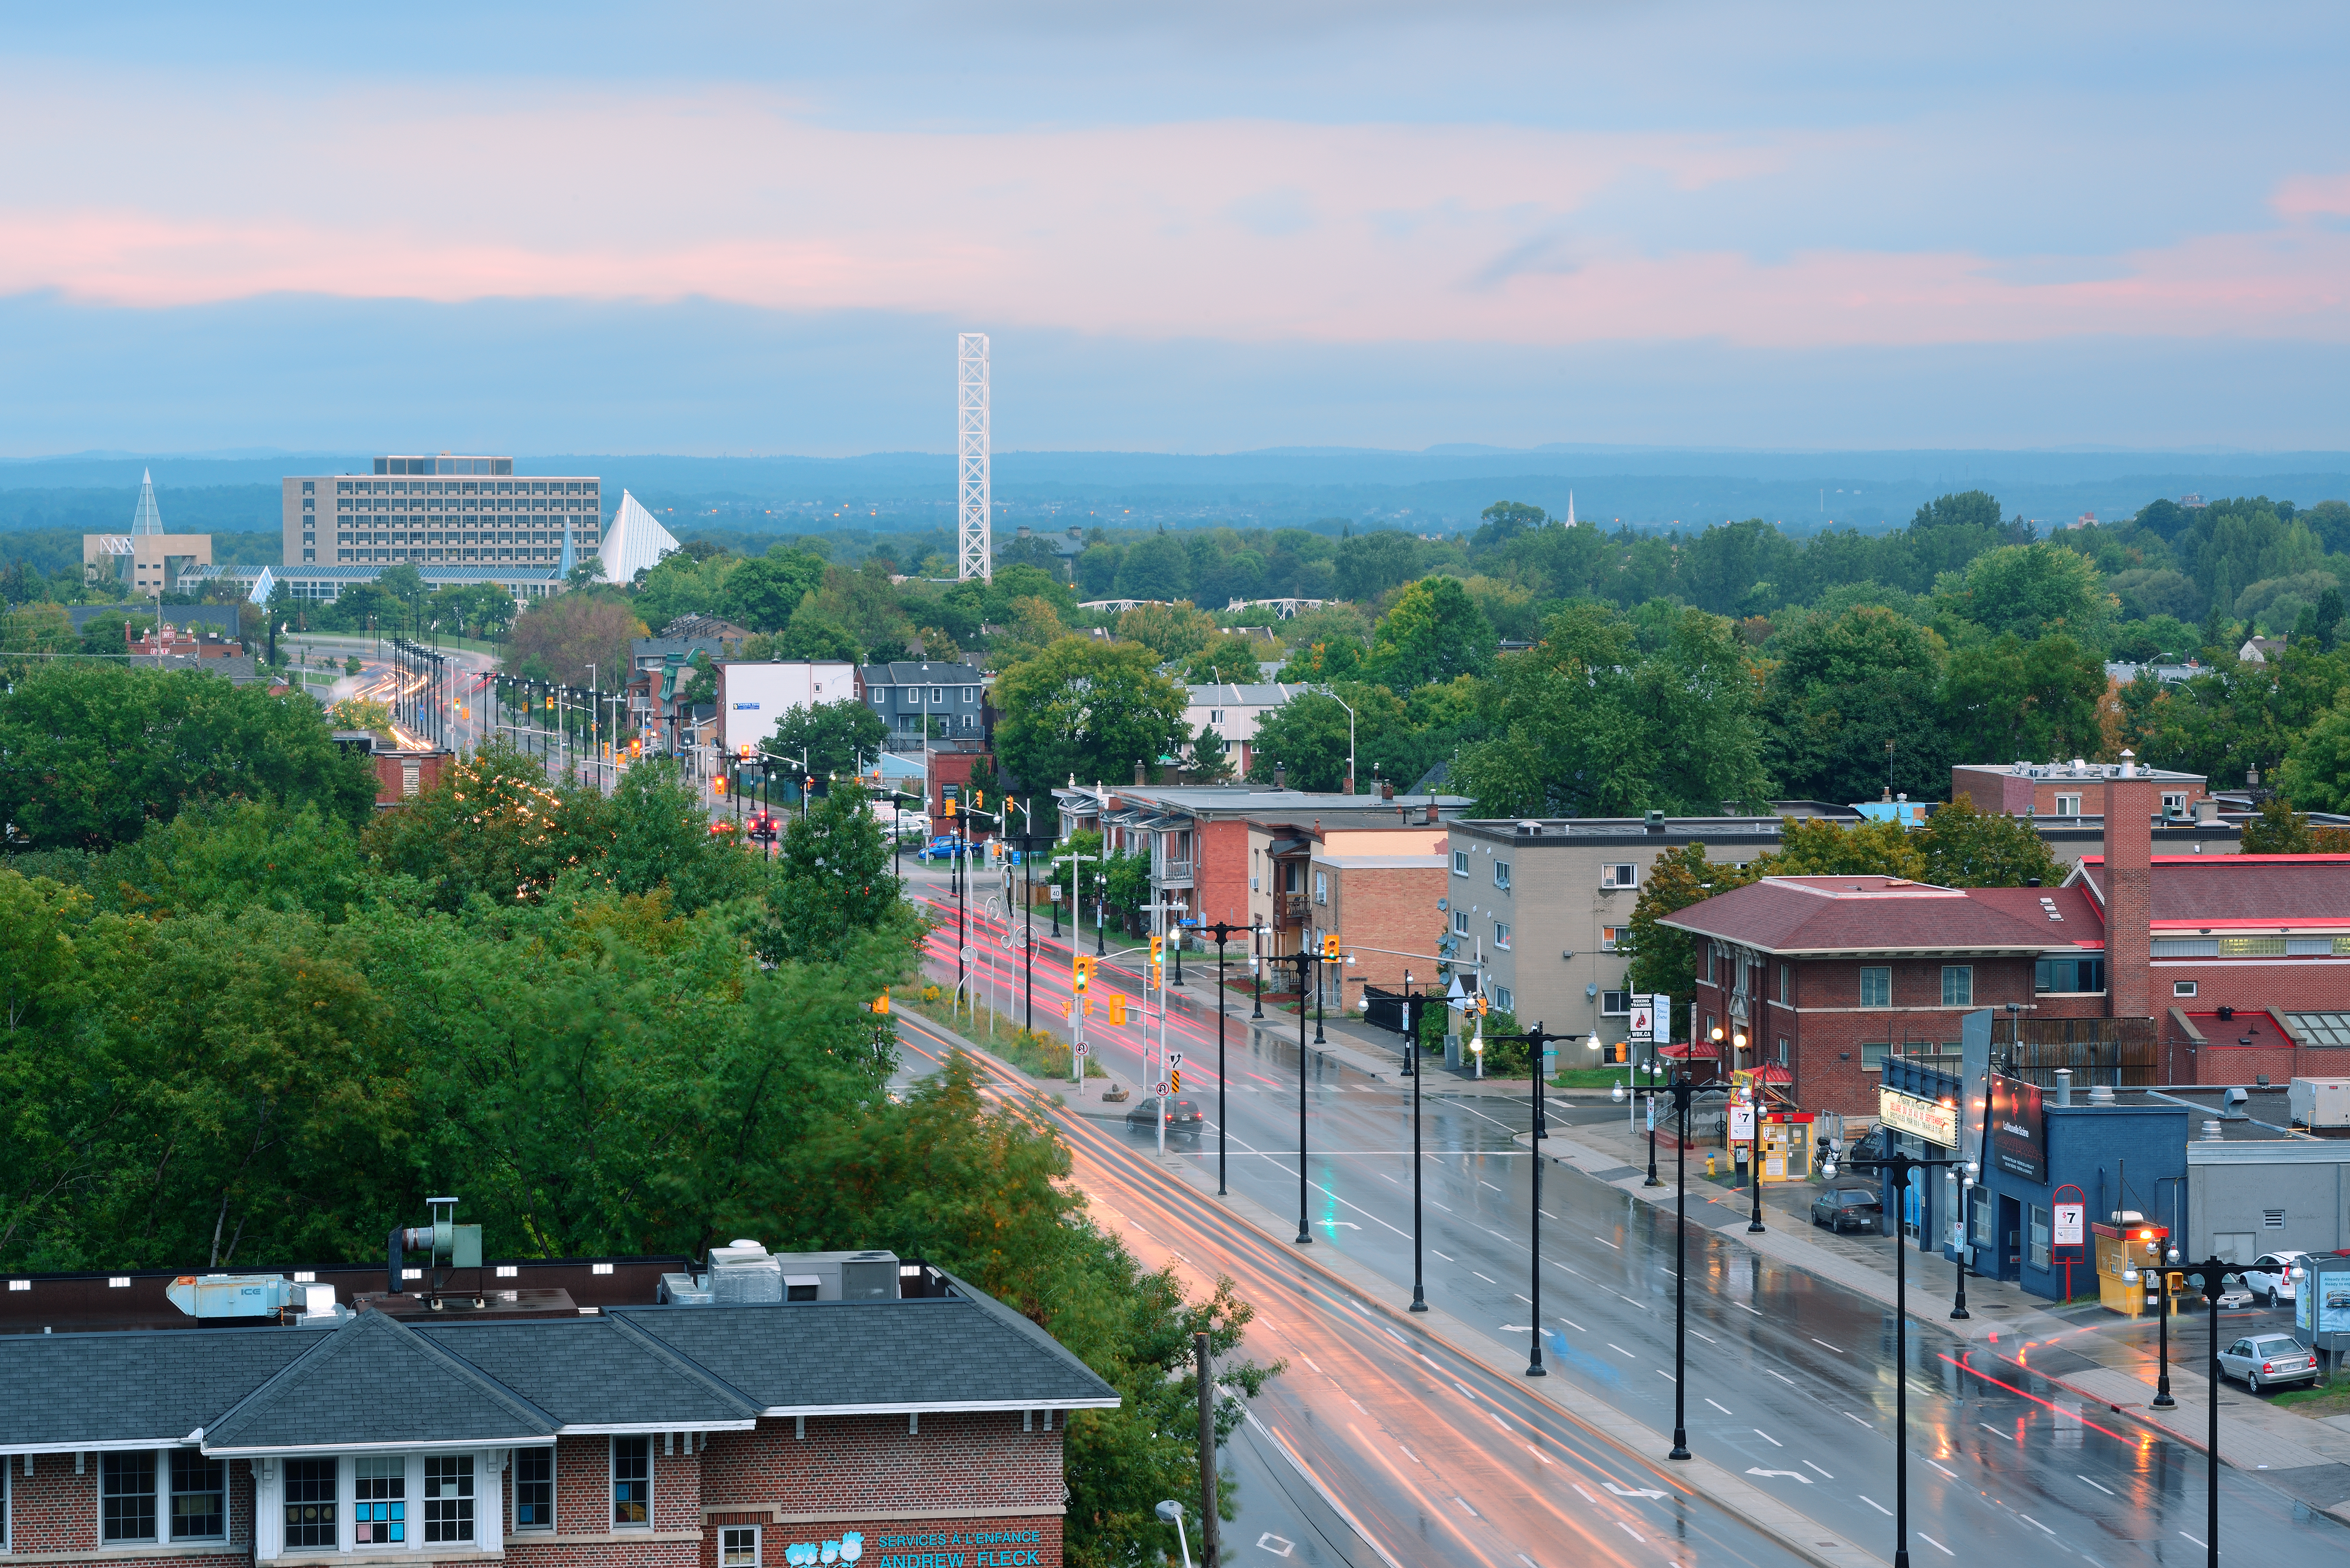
(149, 517)
(633, 542)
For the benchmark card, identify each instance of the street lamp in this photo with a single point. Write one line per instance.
(2213, 1277)
(1350, 736)
(1302, 957)
(1172, 1511)
(1901, 1166)
(1537, 1039)
(1412, 1003)
(1256, 968)
(1683, 1089)
(1224, 930)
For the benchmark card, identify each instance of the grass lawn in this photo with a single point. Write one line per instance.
(2318, 1401)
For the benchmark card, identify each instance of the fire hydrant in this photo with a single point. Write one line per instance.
(1709, 1165)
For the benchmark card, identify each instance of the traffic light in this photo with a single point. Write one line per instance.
(950, 804)
(882, 1004)
(1480, 1004)
(1085, 973)
(978, 799)
(1117, 1007)
(636, 745)
(718, 785)
(1330, 947)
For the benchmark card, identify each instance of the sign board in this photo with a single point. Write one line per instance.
(2069, 1231)
(2018, 1128)
(1161, 1090)
(1174, 1059)
(1643, 1025)
(1929, 1119)
(1741, 1122)
(1662, 1006)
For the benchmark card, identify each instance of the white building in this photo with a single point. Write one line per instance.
(753, 697)
(1233, 710)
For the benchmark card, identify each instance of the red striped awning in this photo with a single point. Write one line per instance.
(1683, 1052)
(1771, 1073)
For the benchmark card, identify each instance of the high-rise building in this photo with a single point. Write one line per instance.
(441, 510)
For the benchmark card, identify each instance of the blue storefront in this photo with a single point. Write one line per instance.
(2046, 1158)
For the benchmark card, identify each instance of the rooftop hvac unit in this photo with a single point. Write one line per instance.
(2321, 1102)
(744, 1273)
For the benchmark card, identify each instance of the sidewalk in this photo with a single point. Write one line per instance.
(2007, 1325)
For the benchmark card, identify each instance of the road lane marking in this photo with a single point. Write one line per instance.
(1994, 1431)
(1573, 1324)
(1934, 1544)
(1618, 1349)
(1952, 1474)
(1440, 1254)
(1741, 1306)
(2107, 1491)
(1606, 1242)
(1487, 1278)
(1817, 1468)
(1309, 1361)
(1783, 1377)
(1850, 1416)
(1265, 1543)
(1816, 1340)
(1545, 1213)
(1528, 1300)
(1758, 1431)
(2192, 1538)
(1721, 1406)
(1586, 1496)
(1630, 1531)
(1415, 1458)
(1877, 1505)
(1707, 1337)
(1666, 1375)
(1756, 1470)
(1482, 1183)
(1465, 1508)
(1539, 1454)
(2036, 1524)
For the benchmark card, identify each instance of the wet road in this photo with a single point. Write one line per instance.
(1789, 1379)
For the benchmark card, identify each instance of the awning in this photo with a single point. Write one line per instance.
(1286, 846)
(1706, 1048)
(1770, 1073)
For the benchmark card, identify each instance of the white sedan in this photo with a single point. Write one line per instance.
(2265, 1360)
(2271, 1279)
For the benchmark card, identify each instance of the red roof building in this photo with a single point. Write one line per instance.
(1827, 975)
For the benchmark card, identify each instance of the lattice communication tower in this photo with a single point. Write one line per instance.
(976, 555)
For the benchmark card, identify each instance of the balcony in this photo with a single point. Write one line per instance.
(1173, 873)
(1288, 910)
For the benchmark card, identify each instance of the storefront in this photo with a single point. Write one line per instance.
(2049, 1162)
(1918, 1107)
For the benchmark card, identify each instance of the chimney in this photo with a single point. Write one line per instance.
(2063, 1087)
(2129, 807)
(1280, 775)
(1387, 789)
(1430, 818)
(1138, 779)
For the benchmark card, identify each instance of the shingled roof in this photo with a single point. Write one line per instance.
(1843, 915)
(2239, 889)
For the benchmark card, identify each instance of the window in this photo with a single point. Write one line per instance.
(1502, 874)
(1501, 935)
(126, 1493)
(199, 1496)
(2068, 805)
(2174, 804)
(2040, 1234)
(1609, 936)
(1957, 985)
(379, 1501)
(1709, 963)
(1786, 983)
(535, 1488)
(310, 1503)
(1622, 875)
(632, 1481)
(1461, 863)
(448, 1497)
(1872, 1056)
(2314, 1028)
(1614, 1004)
(937, 694)
(1321, 886)
(1502, 997)
(1460, 922)
(1876, 986)
(971, 693)
(2069, 975)
(738, 1546)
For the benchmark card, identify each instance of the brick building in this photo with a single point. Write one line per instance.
(2071, 789)
(516, 1427)
(1828, 975)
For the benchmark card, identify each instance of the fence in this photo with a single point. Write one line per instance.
(2115, 1051)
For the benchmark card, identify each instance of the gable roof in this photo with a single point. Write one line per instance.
(1843, 915)
(597, 1374)
(373, 1382)
(87, 1391)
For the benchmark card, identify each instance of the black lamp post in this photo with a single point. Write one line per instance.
(1412, 1003)
(1304, 957)
(1537, 1039)
(1029, 843)
(1225, 931)
(2213, 1276)
(2131, 1275)
(1900, 1168)
(1256, 967)
(1683, 1089)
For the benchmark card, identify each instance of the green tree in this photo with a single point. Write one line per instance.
(1965, 848)
(1156, 566)
(574, 637)
(1086, 709)
(2317, 770)
(835, 735)
(1564, 732)
(1432, 632)
(1818, 846)
(2009, 699)
(2278, 830)
(763, 592)
(813, 633)
(1307, 735)
(239, 855)
(1227, 658)
(1370, 564)
(90, 753)
(1172, 632)
(492, 828)
(1504, 521)
(1665, 960)
(1842, 690)
(836, 879)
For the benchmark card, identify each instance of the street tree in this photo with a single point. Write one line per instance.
(1087, 709)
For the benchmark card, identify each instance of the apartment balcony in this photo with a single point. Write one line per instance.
(1174, 872)
(1288, 911)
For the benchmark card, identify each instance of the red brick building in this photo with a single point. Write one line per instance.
(515, 1426)
(1827, 975)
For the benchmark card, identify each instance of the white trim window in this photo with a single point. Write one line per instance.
(1610, 936)
(448, 1498)
(1959, 985)
(1876, 985)
(738, 1546)
(1501, 935)
(533, 1489)
(2182, 988)
(1461, 863)
(1501, 998)
(1614, 1004)
(2068, 805)
(379, 1501)
(1322, 887)
(1502, 874)
(1460, 922)
(632, 1483)
(1623, 874)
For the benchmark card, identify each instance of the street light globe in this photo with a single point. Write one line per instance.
(1828, 1169)
(1739, 1040)
(2174, 1257)
(1170, 1510)
(1715, 1034)
(1617, 1093)
(2129, 1273)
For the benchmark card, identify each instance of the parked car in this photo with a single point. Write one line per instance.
(2271, 1279)
(944, 847)
(1183, 1116)
(2265, 1360)
(1848, 1207)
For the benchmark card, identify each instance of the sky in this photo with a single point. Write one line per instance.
(740, 228)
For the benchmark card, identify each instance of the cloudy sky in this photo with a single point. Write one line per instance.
(755, 228)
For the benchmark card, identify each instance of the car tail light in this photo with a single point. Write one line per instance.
(2268, 1366)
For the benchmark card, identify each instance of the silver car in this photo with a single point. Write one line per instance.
(2271, 1279)
(2265, 1360)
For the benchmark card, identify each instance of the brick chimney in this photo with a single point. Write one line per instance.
(2130, 803)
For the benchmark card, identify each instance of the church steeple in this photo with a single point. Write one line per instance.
(146, 519)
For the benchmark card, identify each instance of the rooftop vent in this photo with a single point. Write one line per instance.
(2101, 1094)
(2213, 1131)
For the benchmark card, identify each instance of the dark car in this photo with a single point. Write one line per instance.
(1848, 1207)
(1182, 1117)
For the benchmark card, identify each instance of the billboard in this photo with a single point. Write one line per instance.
(1929, 1119)
(753, 696)
(2018, 1129)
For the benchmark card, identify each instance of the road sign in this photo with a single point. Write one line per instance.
(1162, 1088)
(1742, 1123)
(1643, 1025)
(1080, 1048)
(970, 955)
(1174, 1059)
(2068, 1225)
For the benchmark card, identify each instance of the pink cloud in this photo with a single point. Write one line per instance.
(1226, 228)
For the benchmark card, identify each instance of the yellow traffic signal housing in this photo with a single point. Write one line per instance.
(1330, 945)
(1480, 1004)
(718, 785)
(1117, 1007)
(978, 800)
(950, 806)
(882, 1004)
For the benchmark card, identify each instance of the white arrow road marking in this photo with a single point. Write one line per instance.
(1517, 1328)
(1631, 1491)
(1797, 1474)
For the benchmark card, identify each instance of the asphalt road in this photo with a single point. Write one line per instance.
(1788, 1378)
